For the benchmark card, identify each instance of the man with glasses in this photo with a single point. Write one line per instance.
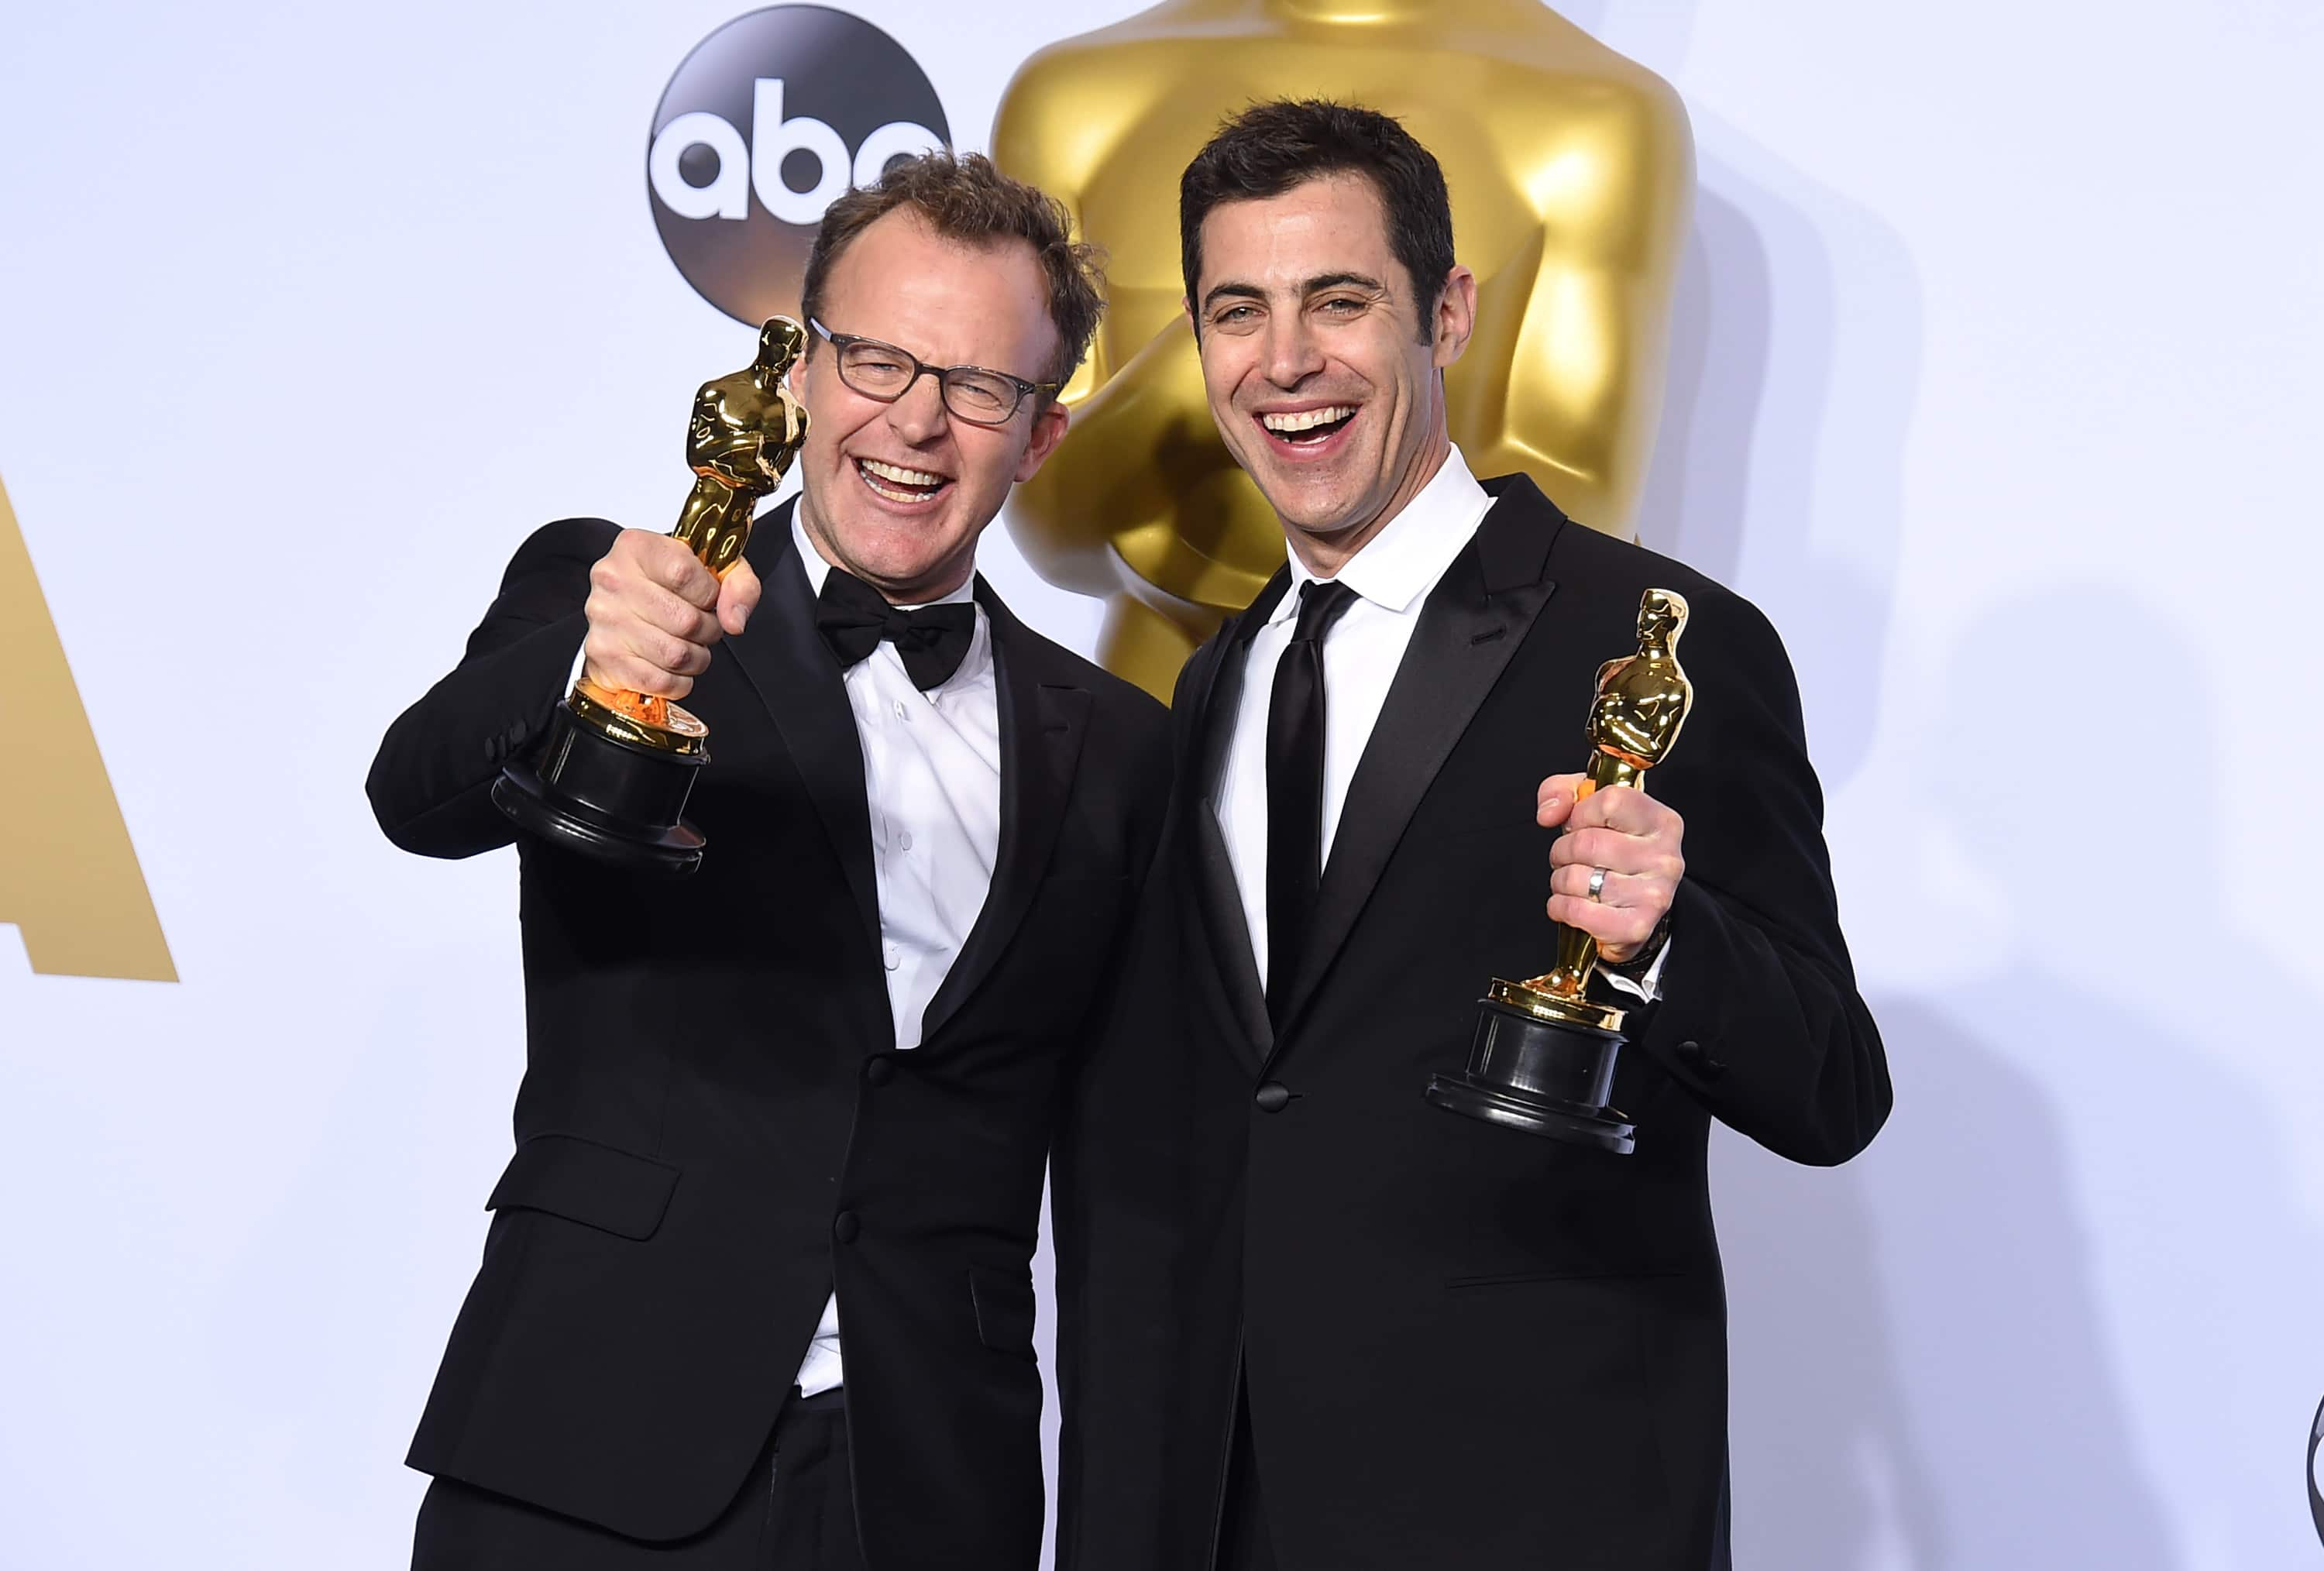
(758, 1291)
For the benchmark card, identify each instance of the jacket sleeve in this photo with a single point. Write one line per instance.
(1760, 1017)
(430, 786)
(1116, 1203)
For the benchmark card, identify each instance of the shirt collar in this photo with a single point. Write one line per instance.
(973, 665)
(1403, 562)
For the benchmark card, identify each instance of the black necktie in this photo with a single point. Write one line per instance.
(854, 617)
(1295, 787)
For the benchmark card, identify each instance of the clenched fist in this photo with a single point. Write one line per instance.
(1634, 839)
(655, 610)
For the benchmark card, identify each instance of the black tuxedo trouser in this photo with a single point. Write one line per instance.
(795, 1512)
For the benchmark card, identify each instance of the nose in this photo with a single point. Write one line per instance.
(1289, 354)
(918, 415)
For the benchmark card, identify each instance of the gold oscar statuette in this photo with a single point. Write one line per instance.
(1543, 1057)
(1572, 172)
(614, 775)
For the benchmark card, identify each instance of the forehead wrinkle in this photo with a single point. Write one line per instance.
(933, 314)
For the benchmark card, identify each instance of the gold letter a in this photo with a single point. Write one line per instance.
(69, 876)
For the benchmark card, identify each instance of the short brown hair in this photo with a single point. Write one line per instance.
(1270, 148)
(964, 198)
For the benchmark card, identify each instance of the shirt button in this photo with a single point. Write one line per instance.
(888, 952)
(905, 840)
(845, 1228)
(880, 1070)
(1273, 1097)
(899, 710)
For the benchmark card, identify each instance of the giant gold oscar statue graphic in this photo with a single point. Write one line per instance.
(1543, 1057)
(69, 876)
(1572, 172)
(614, 774)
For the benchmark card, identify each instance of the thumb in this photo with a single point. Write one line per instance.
(738, 597)
(1557, 796)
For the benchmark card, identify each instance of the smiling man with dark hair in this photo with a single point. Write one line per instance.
(1409, 1339)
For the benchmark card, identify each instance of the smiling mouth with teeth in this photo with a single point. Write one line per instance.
(898, 483)
(1308, 426)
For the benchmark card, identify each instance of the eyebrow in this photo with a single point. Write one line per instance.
(1233, 292)
(1334, 279)
(1238, 290)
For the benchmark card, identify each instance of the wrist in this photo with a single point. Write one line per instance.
(1638, 964)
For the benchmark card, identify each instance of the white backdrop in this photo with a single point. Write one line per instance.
(1996, 329)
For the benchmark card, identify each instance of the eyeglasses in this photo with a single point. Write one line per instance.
(882, 371)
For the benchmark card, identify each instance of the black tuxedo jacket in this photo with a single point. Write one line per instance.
(1461, 1344)
(714, 1127)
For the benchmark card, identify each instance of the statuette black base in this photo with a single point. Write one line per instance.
(605, 798)
(1542, 1077)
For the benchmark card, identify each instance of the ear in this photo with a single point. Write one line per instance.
(1048, 430)
(1456, 317)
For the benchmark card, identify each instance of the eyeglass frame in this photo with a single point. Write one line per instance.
(842, 342)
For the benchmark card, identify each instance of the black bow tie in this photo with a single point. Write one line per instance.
(854, 617)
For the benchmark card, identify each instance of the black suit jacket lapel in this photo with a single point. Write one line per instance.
(1042, 725)
(786, 660)
(1469, 626)
(1216, 698)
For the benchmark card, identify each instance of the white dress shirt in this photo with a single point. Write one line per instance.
(932, 781)
(1392, 576)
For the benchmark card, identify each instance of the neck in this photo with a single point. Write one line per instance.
(1325, 554)
(914, 593)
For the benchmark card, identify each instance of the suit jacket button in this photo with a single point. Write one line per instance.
(1702, 1063)
(1273, 1097)
(845, 1228)
(880, 1070)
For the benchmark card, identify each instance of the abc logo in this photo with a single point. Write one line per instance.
(767, 122)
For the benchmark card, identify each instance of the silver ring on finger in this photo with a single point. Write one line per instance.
(1598, 884)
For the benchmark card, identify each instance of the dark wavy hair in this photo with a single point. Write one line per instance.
(964, 198)
(1270, 148)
